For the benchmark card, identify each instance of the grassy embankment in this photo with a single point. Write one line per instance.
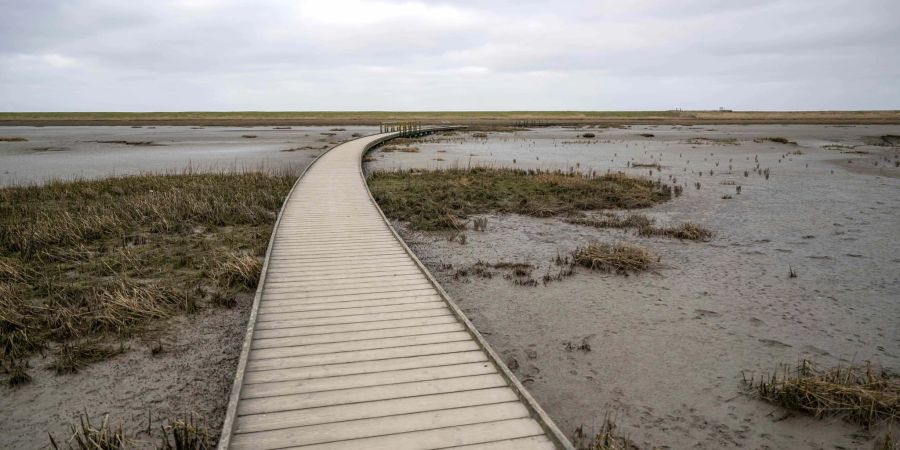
(86, 264)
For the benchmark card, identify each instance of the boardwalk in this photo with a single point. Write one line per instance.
(352, 345)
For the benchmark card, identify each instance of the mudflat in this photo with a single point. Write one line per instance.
(61, 152)
(663, 353)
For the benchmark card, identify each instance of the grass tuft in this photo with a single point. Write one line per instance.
(85, 436)
(645, 226)
(607, 438)
(12, 139)
(18, 373)
(614, 258)
(186, 434)
(688, 230)
(71, 357)
(239, 271)
(862, 394)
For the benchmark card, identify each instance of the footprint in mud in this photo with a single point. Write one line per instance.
(704, 313)
(49, 149)
(774, 343)
(813, 349)
(531, 354)
(756, 322)
(584, 346)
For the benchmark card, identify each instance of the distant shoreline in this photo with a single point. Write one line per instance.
(480, 118)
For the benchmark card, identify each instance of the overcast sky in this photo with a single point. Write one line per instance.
(161, 55)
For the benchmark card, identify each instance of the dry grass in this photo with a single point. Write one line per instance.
(238, 271)
(645, 226)
(688, 230)
(607, 438)
(85, 260)
(186, 434)
(12, 139)
(612, 220)
(439, 199)
(862, 394)
(777, 140)
(189, 433)
(18, 375)
(71, 357)
(399, 148)
(651, 165)
(888, 441)
(614, 258)
(86, 436)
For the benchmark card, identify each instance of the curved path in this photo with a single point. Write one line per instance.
(352, 344)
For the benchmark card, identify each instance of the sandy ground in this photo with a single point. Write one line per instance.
(667, 348)
(65, 152)
(138, 390)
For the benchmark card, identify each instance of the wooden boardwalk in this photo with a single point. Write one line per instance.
(351, 343)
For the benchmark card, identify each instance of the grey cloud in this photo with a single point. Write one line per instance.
(354, 54)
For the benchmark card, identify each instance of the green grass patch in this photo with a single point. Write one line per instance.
(443, 199)
(87, 259)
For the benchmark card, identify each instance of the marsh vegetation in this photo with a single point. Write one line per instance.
(862, 394)
(86, 262)
(437, 200)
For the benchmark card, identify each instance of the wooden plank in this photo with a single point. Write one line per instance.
(339, 256)
(254, 365)
(339, 285)
(341, 272)
(343, 328)
(348, 305)
(265, 316)
(441, 311)
(378, 277)
(350, 346)
(347, 292)
(323, 280)
(368, 394)
(379, 426)
(526, 443)
(383, 365)
(286, 264)
(416, 293)
(356, 336)
(337, 383)
(330, 249)
(372, 409)
(449, 437)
